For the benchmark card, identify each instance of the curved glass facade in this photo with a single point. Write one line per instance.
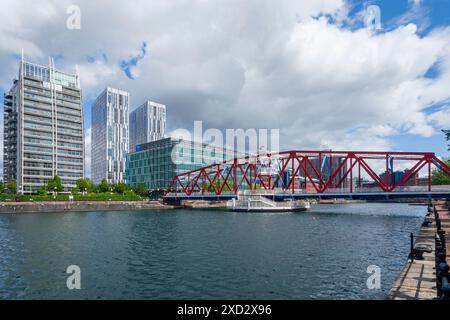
(156, 163)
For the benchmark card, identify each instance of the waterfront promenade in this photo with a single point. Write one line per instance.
(417, 281)
(65, 206)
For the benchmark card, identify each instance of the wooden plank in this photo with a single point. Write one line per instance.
(417, 280)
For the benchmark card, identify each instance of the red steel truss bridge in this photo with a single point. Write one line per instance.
(315, 174)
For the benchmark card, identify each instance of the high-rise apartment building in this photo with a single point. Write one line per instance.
(110, 135)
(147, 124)
(43, 128)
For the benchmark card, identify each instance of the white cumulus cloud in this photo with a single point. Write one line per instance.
(248, 64)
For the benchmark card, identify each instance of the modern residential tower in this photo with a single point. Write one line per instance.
(110, 135)
(147, 124)
(43, 128)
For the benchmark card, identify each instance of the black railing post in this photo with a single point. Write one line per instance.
(439, 258)
(443, 288)
(412, 247)
(441, 235)
(442, 268)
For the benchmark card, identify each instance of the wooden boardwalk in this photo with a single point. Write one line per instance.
(444, 215)
(417, 281)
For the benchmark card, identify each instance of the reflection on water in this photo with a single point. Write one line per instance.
(200, 254)
(374, 209)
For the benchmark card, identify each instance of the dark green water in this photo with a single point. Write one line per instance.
(182, 254)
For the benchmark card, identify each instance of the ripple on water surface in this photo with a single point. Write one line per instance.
(201, 254)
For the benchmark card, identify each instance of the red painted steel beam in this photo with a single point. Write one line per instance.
(405, 178)
(258, 170)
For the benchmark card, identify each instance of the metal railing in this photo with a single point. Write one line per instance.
(442, 268)
(342, 190)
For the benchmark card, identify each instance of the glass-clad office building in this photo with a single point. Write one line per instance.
(43, 128)
(156, 163)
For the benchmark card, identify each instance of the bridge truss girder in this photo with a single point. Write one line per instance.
(281, 171)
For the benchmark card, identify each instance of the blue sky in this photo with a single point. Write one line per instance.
(435, 14)
(310, 69)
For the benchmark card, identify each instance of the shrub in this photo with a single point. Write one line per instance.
(141, 189)
(120, 188)
(12, 185)
(156, 194)
(41, 191)
(104, 186)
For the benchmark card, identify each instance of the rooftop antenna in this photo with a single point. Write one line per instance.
(78, 75)
(51, 67)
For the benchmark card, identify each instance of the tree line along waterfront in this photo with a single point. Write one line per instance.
(85, 190)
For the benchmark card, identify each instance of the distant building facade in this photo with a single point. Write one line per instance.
(147, 124)
(110, 135)
(43, 128)
(395, 177)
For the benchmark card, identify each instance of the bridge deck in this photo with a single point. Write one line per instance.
(356, 196)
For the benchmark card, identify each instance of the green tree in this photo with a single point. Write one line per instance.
(85, 184)
(447, 135)
(2, 187)
(12, 185)
(41, 191)
(439, 177)
(140, 189)
(104, 186)
(54, 184)
(120, 188)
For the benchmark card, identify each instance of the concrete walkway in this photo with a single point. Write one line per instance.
(64, 206)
